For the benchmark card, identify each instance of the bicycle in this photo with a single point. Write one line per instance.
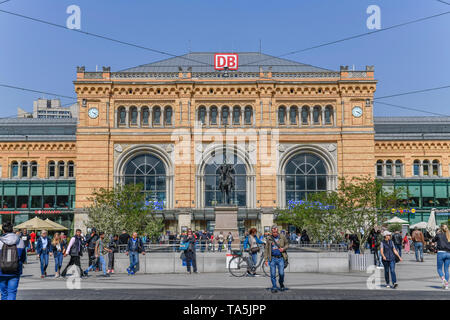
(239, 265)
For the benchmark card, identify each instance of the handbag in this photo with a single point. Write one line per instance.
(254, 250)
(184, 245)
(183, 256)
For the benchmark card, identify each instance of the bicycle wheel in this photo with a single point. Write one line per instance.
(266, 270)
(238, 266)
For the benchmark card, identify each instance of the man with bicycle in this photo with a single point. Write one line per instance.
(251, 243)
(276, 255)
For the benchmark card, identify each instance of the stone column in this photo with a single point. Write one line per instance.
(127, 117)
(323, 117)
(150, 117)
(226, 221)
(311, 116)
(266, 218)
(184, 220)
(139, 117)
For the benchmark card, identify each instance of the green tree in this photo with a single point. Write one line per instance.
(123, 208)
(357, 206)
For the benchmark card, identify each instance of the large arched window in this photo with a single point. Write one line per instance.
(328, 114)
(389, 168)
(398, 168)
(426, 167)
(416, 168)
(149, 171)
(213, 195)
(316, 114)
(305, 173)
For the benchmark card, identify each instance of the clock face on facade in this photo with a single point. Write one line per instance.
(357, 112)
(93, 113)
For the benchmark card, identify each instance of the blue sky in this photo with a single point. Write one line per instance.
(42, 57)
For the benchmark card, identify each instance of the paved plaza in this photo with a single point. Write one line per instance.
(416, 281)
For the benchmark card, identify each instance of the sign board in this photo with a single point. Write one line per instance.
(226, 60)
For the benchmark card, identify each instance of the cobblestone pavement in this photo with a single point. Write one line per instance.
(416, 281)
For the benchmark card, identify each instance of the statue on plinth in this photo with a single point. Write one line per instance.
(226, 182)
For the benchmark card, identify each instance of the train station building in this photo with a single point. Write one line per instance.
(287, 128)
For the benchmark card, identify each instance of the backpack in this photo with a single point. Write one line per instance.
(9, 259)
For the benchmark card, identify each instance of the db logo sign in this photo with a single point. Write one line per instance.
(226, 60)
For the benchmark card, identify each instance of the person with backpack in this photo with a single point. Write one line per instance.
(134, 247)
(100, 252)
(44, 249)
(12, 257)
(398, 241)
(75, 250)
(276, 255)
(91, 240)
(390, 258)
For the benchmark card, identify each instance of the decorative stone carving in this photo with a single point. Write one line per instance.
(118, 148)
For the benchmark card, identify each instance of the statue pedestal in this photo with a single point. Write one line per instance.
(226, 221)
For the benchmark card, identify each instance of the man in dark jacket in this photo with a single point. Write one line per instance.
(91, 240)
(190, 251)
(74, 249)
(134, 247)
(123, 239)
(276, 255)
(10, 282)
(114, 247)
(26, 240)
(398, 241)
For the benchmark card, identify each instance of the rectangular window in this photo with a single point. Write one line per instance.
(9, 202)
(36, 202)
(22, 202)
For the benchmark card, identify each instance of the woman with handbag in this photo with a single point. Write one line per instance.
(390, 258)
(251, 244)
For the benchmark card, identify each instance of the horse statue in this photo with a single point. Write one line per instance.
(226, 182)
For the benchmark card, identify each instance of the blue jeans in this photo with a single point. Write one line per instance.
(443, 260)
(274, 264)
(100, 261)
(220, 246)
(44, 262)
(229, 245)
(134, 261)
(398, 247)
(418, 248)
(389, 266)
(58, 260)
(8, 287)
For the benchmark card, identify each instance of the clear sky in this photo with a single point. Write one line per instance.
(42, 57)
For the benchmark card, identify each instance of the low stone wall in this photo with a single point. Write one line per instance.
(216, 262)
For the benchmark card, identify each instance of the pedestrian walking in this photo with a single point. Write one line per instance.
(442, 240)
(58, 248)
(398, 241)
(191, 259)
(390, 257)
(114, 247)
(407, 243)
(44, 249)
(419, 241)
(12, 257)
(230, 240)
(91, 241)
(75, 250)
(26, 240)
(100, 252)
(134, 247)
(276, 256)
(251, 243)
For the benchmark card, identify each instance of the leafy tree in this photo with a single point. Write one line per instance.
(123, 208)
(395, 227)
(357, 206)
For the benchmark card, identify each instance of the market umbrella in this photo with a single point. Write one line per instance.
(420, 225)
(397, 220)
(431, 225)
(35, 224)
(56, 226)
